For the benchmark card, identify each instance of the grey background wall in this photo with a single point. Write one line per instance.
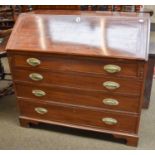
(152, 7)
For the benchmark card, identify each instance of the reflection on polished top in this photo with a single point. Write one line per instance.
(91, 34)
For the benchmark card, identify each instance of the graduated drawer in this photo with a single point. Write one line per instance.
(129, 68)
(78, 97)
(79, 116)
(82, 81)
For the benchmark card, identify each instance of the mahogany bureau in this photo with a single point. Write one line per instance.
(83, 70)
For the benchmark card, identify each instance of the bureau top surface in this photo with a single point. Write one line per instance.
(116, 35)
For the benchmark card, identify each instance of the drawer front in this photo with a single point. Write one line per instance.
(79, 116)
(96, 66)
(81, 97)
(82, 81)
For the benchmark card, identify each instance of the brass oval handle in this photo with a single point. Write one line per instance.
(110, 101)
(41, 110)
(109, 121)
(36, 77)
(33, 61)
(111, 85)
(112, 68)
(38, 93)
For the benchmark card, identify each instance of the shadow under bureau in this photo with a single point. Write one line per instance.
(83, 70)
